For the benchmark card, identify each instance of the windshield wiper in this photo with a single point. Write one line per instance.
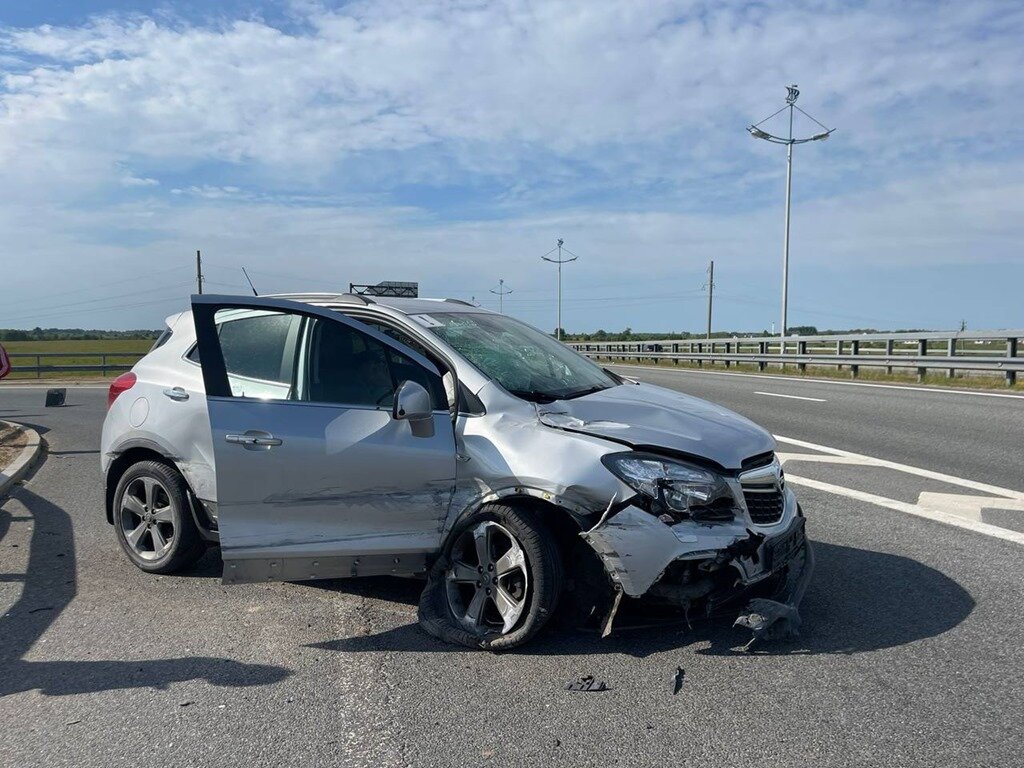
(583, 392)
(534, 396)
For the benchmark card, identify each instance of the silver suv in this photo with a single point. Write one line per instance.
(320, 436)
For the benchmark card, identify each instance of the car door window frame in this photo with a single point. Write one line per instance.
(468, 403)
(306, 360)
(215, 375)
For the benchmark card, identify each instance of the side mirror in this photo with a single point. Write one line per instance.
(412, 404)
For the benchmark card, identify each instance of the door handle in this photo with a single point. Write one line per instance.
(176, 393)
(254, 438)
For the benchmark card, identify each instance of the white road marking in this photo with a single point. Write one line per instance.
(960, 510)
(772, 376)
(792, 397)
(912, 509)
(967, 506)
(859, 458)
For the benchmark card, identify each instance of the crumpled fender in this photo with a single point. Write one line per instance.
(636, 547)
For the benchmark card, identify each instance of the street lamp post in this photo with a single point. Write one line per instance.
(791, 96)
(559, 261)
(501, 292)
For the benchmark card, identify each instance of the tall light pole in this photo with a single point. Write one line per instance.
(711, 293)
(559, 261)
(791, 96)
(501, 293)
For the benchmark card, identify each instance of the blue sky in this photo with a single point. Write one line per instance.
(319, 144)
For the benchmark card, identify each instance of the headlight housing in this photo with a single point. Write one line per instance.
(674, 488)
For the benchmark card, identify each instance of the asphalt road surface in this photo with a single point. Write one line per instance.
(911, 654)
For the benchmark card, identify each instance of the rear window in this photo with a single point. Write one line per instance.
(162, 339)
(254, 346)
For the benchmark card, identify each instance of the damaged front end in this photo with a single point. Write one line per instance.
(697, 539)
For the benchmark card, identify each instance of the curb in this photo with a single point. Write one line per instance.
(11, 474)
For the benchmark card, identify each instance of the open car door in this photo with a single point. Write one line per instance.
(333, 445)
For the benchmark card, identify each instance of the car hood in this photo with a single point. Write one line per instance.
(647, 416)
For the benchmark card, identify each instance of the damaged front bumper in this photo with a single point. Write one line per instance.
(691, 561)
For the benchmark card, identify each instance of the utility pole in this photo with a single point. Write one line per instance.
(711, 292)
(501, 292)
(792, 93)
(199, 272)
(559, 261)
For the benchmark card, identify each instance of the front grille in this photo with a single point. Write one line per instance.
(760, 460)
(764, 503)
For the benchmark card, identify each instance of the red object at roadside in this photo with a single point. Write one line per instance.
(5, 362)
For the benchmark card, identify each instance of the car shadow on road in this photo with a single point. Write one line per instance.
(49, 584)
(858, 601)
(40, 429)
(63, 678)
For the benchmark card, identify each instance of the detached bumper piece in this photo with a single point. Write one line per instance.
(715, 564)
(779, 619)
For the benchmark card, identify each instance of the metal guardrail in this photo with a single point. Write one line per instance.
(987, 352)
(102, 365)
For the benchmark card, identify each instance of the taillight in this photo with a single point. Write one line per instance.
(122, 383)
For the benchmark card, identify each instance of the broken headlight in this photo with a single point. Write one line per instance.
(673, 488)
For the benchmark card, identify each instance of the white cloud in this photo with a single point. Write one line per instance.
(573, 78)
(616, 125)
(209, 191)
(138, 181)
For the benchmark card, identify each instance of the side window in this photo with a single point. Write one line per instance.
(259, 349)
(348, 367)
(397, 334)
(404, 369)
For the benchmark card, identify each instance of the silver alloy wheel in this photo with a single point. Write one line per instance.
(146, 518)
(487, 581)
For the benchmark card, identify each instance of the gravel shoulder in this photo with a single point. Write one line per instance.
(12, 441)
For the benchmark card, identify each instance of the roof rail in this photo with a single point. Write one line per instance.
(347, 298)
(356, 298)
(460, 301)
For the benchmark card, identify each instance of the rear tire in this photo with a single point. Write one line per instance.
(153, 519)
(468, 602)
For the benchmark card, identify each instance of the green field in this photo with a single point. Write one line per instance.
(118, 352)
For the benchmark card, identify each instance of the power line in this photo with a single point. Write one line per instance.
(64, 305)
(164, 300)
(134, 279)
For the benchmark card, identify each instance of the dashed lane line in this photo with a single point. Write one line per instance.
(791, 397)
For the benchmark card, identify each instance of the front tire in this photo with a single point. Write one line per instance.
(497, 582)
(153, 520)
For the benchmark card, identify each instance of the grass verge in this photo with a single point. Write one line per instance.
(119, 352)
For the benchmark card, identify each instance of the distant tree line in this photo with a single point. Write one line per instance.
(794, 330)
(75, 334)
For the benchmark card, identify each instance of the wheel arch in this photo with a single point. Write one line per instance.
(564, 521)
(132, 452)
